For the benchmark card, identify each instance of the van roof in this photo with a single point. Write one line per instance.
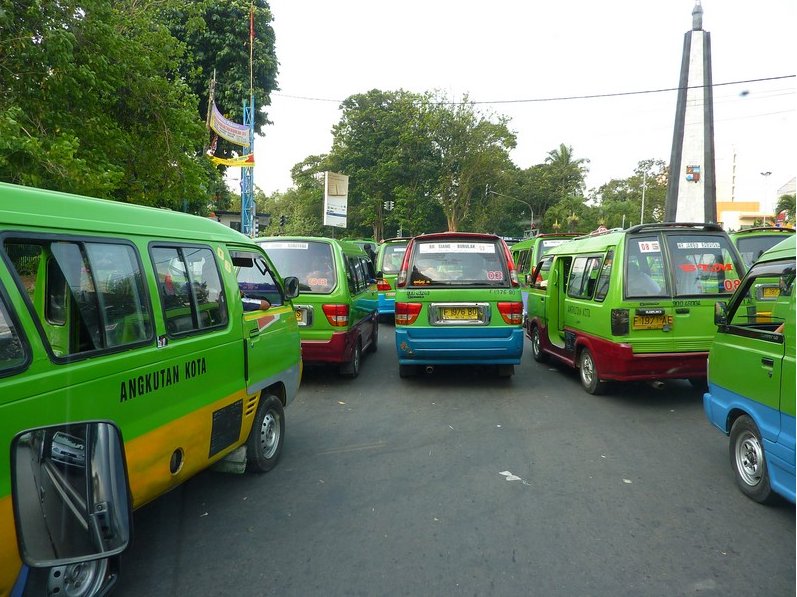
(761, 230)
(345, 244)
(450, 235)
(28, 206)
(785, 249)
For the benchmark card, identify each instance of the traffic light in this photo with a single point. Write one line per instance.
(388, 205)
(255, 227)
(283, 220)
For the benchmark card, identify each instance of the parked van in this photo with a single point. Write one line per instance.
(751, 377)
(388, 263)
(458, 302)
(633, 304)
(530, 251)
(336, 307)
(129, 362)
(753, 242)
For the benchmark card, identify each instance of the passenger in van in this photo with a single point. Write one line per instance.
(639, 283)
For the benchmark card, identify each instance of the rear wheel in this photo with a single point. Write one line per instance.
(352, 368)
(264, 446)
(536, 349)
(748, 461)
(588, 372)
(76, 580)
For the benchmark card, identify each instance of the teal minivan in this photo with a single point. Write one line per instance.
(751, 376)
(388, 263)
(336, 306)
(458, 302)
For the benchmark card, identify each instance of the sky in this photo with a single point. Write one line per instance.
(502, 51)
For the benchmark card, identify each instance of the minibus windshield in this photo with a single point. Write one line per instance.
(311, 262)
(452, 263)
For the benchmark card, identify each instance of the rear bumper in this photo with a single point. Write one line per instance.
(619, 362)
(387, 304)
(338, 349)
(459, 346)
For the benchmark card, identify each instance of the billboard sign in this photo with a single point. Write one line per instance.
(336, 197)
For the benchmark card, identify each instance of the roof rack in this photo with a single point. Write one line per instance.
(702, 225)
(599, 233)
(766, 229)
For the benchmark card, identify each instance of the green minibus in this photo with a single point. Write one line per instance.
(635, 304)
(528, 252)
(138, 346)
(388, 263)
(336, 306)
(751, 377)
(753, 242)
(458, 302)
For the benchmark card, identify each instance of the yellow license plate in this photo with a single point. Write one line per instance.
(460, 313)
(299, 316)
(770, 292)
(650, 322)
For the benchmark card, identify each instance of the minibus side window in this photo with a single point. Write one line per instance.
(765, 298)
(55, 306)
(644, 268)
(703, 264)
(605, 276)
(12, 351)
(583, 277)
(255, 279)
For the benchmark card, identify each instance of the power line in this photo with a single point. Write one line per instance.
(563, 98)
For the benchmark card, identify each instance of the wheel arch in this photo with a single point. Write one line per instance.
(276, 389)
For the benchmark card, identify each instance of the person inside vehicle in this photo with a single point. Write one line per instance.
(639, 283)
(254, 304)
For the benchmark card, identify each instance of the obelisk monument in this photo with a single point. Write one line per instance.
(692, 190)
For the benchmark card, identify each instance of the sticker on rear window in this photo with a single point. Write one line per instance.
(286, 245)
(649, 246)
(456, 248)
(551, 243)
(495, 275)
(698, 245)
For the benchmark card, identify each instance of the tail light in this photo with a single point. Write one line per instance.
(511, 312)
(401, 279)
(337, 315)
(511, 265)
(407, 313)
(383, 284)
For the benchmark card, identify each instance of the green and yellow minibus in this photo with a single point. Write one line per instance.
(138, 346)
(751, 377)
(336, 306)
(529, 252)
(753, 242)
(635, 304)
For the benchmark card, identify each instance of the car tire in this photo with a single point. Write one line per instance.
(352, 368)
(749, 464)
(536, 349)
(588, 372)
(374, 345)
(264, 446)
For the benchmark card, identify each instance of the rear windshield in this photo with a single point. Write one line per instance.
(392, 256)
(311, 262)
(458, 263)
(751, 247)
(547, 245)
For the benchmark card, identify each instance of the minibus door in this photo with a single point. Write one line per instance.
(555, 305)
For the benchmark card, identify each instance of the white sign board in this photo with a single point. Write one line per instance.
(336, 198)
(456, 248)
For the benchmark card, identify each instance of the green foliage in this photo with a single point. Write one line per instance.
(786, 203)
(93, 103)
(619, 202)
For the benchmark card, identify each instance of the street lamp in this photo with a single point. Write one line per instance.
(526, 203)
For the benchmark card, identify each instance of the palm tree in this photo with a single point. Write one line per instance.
(566, 173)
(786, 203)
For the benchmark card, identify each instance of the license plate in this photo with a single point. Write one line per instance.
(770, 292)
(460, 313)
(300, 316)
(650, 322)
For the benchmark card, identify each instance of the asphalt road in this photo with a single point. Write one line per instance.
(460, 483)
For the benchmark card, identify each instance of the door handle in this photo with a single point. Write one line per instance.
(768, 362)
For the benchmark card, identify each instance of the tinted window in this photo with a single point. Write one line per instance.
(605, 276)
(645, 275)
(311, 262)
(752, 247)
(766, 296)
(584, 276)
(703, 264)
(12, 352)
(458, 263)
(90, 296)
(190, 289)
(392, 256)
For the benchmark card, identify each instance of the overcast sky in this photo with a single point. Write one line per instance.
(523, 50)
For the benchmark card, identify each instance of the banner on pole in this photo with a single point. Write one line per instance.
(336, 197)
(244, 161)
(227, 129)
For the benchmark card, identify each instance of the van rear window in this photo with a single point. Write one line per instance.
(703, 264)
(311, 262)
(458, 263)
(752, 247)
(392, 256)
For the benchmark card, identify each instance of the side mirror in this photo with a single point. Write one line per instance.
(291, 287)
(720, 313)
(70, 494)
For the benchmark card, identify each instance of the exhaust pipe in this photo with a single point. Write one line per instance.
(429, 369)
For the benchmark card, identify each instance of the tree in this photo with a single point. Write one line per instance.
(472, 150)
(619, 202)
(565, 173)
(93, 103)
(786, 203)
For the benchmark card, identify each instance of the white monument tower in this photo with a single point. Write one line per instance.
(692, 191)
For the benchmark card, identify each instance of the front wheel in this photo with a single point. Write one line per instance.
(748, 461)
(264, 446)
(536, 349)
(588, 372)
